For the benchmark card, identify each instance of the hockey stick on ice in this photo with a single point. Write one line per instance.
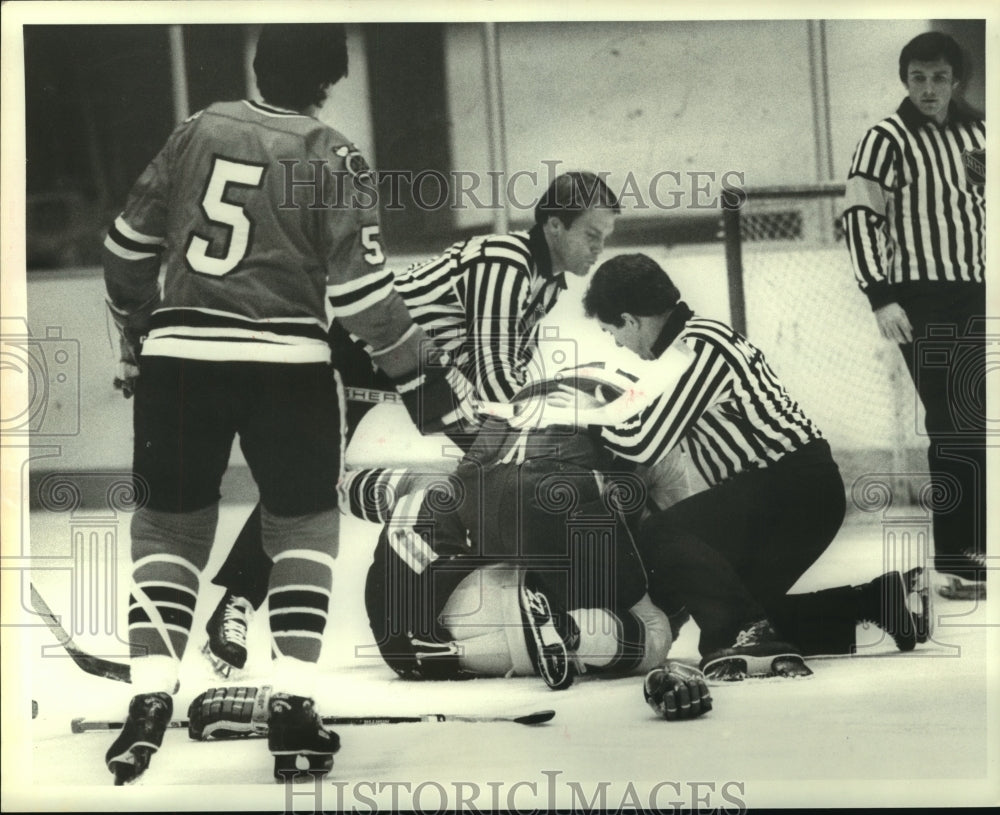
(120, 672)
(81, 725)
(98, 666)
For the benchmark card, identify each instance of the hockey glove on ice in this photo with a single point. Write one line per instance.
(229, 713)
(677, 691)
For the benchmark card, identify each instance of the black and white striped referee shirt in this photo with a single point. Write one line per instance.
(915, 209)
(482, 300)
(728, 409)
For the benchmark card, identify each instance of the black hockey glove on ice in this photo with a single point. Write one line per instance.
(677, 691)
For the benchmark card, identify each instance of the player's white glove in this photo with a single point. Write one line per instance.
(229, 713)
(677, 691)
(132, 329)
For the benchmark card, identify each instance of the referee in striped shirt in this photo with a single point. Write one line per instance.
(729, 554)
(915, 217)
(480, 301)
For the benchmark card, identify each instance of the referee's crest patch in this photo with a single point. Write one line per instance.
(974, 162)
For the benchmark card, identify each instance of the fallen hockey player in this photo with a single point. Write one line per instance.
(412, 504)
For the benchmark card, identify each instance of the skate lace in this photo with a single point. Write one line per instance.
(751, 636)
(234, 622)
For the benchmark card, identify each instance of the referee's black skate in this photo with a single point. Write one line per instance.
(552, 650)
(302, 747)
(148, 717)
(758, 653)
(226, 647)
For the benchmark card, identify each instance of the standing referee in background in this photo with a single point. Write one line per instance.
(915, 220)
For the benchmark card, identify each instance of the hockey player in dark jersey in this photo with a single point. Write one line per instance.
(237, 344)
(480, 301)
(522, 561)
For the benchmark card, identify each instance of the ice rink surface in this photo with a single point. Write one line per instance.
(877, 729)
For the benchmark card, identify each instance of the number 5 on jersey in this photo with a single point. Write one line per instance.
(370, 240)
(231, 217)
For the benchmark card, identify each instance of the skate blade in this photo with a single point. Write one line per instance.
(129, 766)
(921, 614)
(957, 590)
(917, 587)
(738, 668)
(561, 675)
(293, 767)
(790, 667)
(221, 668)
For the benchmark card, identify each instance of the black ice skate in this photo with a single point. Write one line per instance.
(552, 652)
(301, 745)
(757, 652)
(226, 648)
(898, 604)
(148, 717)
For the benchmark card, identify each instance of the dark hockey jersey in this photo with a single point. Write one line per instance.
(256, 258)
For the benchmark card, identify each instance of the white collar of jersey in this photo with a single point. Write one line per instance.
(271, 110)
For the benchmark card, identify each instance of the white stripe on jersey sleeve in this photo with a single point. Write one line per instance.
(404, 539)
(125, 254)
(134, 235)
(360, 305)
(344, 290)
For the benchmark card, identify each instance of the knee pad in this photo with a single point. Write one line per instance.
(186, 535)
(318, 532)
(659, 637)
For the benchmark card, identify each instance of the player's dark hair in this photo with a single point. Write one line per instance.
(572, 194)
(930, 47)
(629, 284)
(295, 63)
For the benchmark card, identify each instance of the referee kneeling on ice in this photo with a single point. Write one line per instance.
(730, 553)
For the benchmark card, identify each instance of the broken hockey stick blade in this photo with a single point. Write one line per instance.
(82, 725)
(98, 666)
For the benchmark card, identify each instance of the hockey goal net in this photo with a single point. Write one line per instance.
(793, 292)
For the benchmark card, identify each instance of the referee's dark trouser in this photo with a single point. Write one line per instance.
(947, 361)
(731, 553)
